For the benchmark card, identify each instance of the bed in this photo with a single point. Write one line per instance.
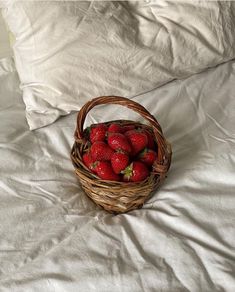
(53, 238)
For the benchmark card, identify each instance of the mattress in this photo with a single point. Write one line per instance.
(53, 238)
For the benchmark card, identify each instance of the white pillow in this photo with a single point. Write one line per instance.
(67, 52)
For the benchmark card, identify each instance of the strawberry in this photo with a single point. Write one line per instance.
(148, 156)
(104, 171)
(101, 151)
(119, 161)
(118, 141)
(151, 143)
(138, 140)
(136, 171)
(98, 132)
(89, 161)
(127, 128)
(114, 128)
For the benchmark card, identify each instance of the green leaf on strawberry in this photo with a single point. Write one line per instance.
(135, 172)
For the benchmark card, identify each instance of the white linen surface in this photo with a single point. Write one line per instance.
(53, 238)
(69, 51)
(5, 50)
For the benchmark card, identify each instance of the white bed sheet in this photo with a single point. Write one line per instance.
(5, 49)
(53, 238)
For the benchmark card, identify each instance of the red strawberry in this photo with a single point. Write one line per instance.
(89, 161)
(136, 171)
(101, 151)
(151, 143)
(104, 171)
(118, 141)
(138, 140)
(127, 128)
(115, 128)
(98, 132)
(148, 156)
(119, 161)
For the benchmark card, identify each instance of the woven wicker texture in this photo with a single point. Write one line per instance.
(119, 197)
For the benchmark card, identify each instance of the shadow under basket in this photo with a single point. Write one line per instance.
(120, 197)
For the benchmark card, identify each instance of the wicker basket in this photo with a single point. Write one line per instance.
(119, 197)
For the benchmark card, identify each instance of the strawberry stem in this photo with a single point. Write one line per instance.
(128, 171)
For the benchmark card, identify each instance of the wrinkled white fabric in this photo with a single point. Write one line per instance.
(53, 238)
(69, 51)
(5, 50)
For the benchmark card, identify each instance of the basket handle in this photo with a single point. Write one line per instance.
(164, 148)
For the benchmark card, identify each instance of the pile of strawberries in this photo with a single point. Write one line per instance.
(120, 152)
